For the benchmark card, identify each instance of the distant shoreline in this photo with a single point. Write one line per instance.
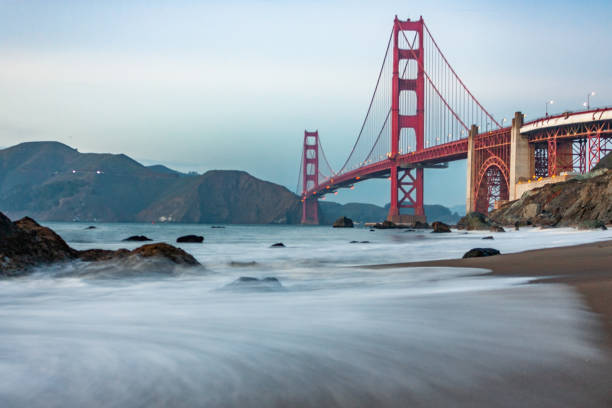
(586, 267)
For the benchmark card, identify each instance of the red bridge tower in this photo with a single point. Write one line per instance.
(407, 183)
(310, 177)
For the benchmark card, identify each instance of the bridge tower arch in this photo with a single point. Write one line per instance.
(407, 183)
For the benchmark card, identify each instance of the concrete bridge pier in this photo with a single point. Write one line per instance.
(522, 157)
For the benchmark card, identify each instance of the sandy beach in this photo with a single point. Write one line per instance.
(587, 268)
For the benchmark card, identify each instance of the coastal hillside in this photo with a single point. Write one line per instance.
(585, 201)
(54, 182)
(224, 196)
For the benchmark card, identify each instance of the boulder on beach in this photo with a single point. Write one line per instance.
(166, 251)
(91, 227)
(25, 244)
(191, 239)
(386, 224)
(480, 252)
(420, 225)
(137, 238)
(440, 227)
(497, 228)
(248, 283)
(474, 221)
(343, 222)
(488, 237)
(278, 245)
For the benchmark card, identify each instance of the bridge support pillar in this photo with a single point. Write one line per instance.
(472, 169)
(522, 156)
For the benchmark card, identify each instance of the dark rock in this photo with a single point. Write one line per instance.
(343, 222)
(278, 245)
(372, 230)
(217, 226)
(138, 238)
(166, 251)
(191, 238)
(25, 244)
(249, 283)
(90, 227)
(386, 224)
(496, 228)
(158, 250)
(421, 225)
(592, 224)
(489, 237)
(479, 252)
(364, 242)
(517, 225)
(97, 255)
(474, 221)
(440, 227)
(354, 242)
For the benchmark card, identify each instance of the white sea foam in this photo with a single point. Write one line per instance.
(336, 336)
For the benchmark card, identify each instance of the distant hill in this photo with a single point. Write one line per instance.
(54, 182)
(360, 212)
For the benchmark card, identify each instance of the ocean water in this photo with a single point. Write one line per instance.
(334, 334)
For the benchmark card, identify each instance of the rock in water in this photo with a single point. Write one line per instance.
(474, 221)
(440, 227)
(420, 225)
(488, 237)
(343, 222)
(25, 244)
(277, 245)
(386, 224)
(497, 228)
(91, 227)
(191, 238)
(166, 251)
(249, 283)
(138, 238)
(479, 252)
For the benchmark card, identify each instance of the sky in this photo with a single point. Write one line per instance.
(201, 85)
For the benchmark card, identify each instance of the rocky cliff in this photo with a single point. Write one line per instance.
(585, 201)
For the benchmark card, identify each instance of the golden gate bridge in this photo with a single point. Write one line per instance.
(421, 115)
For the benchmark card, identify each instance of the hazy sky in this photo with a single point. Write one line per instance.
(201, 85)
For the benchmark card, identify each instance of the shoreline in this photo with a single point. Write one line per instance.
(585, 267)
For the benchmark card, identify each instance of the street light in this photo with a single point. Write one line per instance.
(548, 103)
(587, 104)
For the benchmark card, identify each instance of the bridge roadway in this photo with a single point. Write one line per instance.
(458, 150)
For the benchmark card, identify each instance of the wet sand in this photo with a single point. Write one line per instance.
(587, 268)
